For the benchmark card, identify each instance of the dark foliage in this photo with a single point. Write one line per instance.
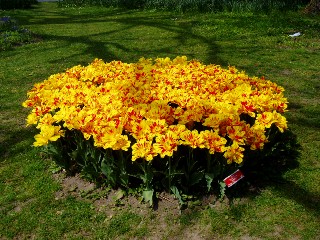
(194, 5)
(15, 4)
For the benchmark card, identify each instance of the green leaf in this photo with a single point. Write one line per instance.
(54, 168)
(195, 178)
(209, 178)
(124, 179)
(194, 203)
(148, 196)
(107, 168)
(147, 175)
(222, 189)
(176, 193)
(119, 194)
(50, 149)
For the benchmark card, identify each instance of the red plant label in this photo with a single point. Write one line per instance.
(233, 178)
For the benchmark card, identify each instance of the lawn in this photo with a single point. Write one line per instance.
(31, 203)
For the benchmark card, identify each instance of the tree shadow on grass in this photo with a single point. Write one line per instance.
(284, 188)
(268, 171)
(127, 35)
(15, 142)
(308, 116)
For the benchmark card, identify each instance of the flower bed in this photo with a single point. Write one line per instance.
(156, 122)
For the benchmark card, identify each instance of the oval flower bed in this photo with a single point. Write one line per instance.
(160, 124)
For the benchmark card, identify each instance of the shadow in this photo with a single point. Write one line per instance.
(294, 106)
(291, 190)
(267, 169)
(15, 142)
(308, 116)
(131, 33)
(287, 189)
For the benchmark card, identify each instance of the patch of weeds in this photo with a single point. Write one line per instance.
(237, 212)
(219, 221)
(54, 167)
(117, 198)
(188, 217)
(94, 194)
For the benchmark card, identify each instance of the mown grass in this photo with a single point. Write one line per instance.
(259, 44)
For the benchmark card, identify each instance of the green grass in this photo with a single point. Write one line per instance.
(256, 43)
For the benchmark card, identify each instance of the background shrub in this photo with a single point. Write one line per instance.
(13, 4)
(195, 5)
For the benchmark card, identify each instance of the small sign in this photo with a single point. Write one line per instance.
(233, 178)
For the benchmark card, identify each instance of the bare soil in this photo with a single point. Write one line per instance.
(163, 216)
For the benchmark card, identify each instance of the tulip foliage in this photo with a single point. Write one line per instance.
(166, 123)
